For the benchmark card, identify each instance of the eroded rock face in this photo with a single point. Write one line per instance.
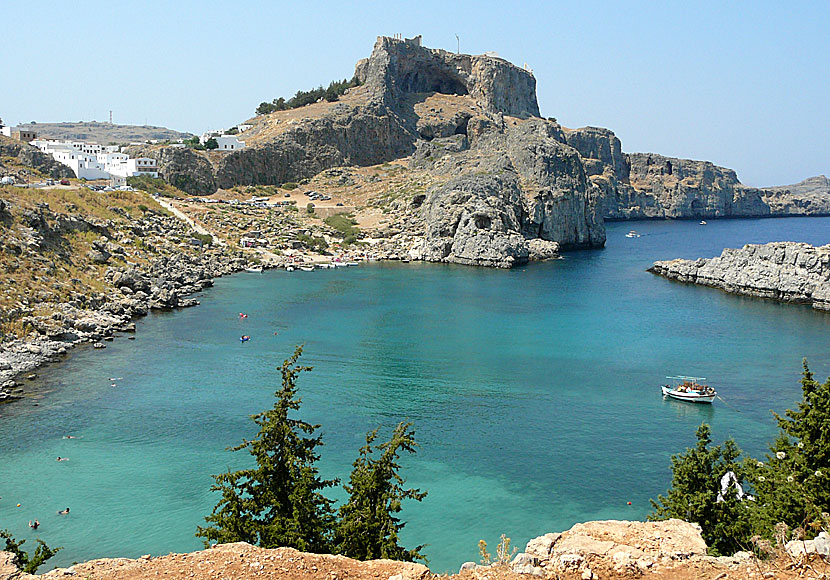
(362, 135)
(784, 271)
(521, 193)
(31, 156)
(400, 67)
(181, 167)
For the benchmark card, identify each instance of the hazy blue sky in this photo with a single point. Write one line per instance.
(743, 84)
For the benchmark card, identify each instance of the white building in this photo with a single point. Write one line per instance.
(93, 161)
(229, 143)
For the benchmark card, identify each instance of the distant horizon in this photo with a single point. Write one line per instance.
(742, 88)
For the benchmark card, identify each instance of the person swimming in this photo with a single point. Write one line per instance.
(62, 458)
(34, 524)
(63, 512)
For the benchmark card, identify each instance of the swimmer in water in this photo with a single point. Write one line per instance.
(62, 458)
(63, 512)
(69, 437)
(34, 524)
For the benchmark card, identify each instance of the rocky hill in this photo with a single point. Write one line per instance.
(500, 185)
(103, 133)
(784, 271)
(17, 157)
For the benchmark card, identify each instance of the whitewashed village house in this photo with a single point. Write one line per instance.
(93, 161)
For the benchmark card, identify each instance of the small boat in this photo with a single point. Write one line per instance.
(340, 264)
(289, 268)
(632, 234)
(257, 269)
(244, 338)
(351, 263)
(307, 268)
(703, 222)
(689, 389)
(405, 260)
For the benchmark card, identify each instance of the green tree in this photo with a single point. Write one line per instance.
(694, 494)
(265, 107)
(793, 485)
(367, 528)
(278, 502)
(28, 563)
(211, 144)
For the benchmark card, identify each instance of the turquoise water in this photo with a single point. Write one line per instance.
(534, 391)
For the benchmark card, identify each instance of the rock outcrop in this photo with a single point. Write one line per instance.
(401, 67)
(30, 156)
(521, 192)
(350, 135)
(180, 167)
(651, 186)
(784, 271)
(619, 546)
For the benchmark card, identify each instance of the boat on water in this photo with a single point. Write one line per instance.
(352, 263)
(289, 268)
(703, 222)
(689, 389)
(307, 268)
(632, 234)
(257, 269)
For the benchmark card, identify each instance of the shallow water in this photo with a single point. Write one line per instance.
(534, 391)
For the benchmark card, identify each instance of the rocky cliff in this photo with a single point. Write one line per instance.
(520, 192)
(784, 271)
(32, 158)
(398, 68)
(651, 186)
(180, 167)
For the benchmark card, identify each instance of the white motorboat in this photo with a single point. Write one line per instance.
(289, 268)
(632, 234)
(307, 268)
(257, 269)
(689, 389)
(351, 263)
(703, 222)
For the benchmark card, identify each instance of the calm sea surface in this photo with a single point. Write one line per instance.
(534, 392)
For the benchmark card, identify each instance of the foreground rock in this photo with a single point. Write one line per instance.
(785, 271)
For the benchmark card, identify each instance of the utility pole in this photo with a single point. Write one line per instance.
(459, 44)
(110, 116)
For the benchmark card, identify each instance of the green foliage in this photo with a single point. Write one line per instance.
(194, 143)
(332, 93)
(206, 239)
(791, 488)
(211, 144)
(343, 223)
(289, 185)
(310, 209)
(29, 563)
(368, 528)
(313, 243)
(693, 496)
(793, 485)
(279, 502)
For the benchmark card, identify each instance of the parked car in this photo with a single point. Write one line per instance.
(339, 204)
(287, 195)
(50, 182)
(64, 182)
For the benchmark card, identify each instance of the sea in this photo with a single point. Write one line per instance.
(534, 392)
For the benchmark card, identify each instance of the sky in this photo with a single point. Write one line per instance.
(741, 84)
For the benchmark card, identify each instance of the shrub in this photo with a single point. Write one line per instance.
(332, 93)
(694, 495)
(211, 144)
(310, 208)
(29, 563)
(289, 185)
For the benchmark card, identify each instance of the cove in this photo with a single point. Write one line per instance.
(534, 392)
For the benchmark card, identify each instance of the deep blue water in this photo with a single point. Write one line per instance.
(534, 392)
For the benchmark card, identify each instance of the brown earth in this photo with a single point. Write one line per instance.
(243, 561)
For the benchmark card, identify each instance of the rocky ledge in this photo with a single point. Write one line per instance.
(785, 271)
(606, 549)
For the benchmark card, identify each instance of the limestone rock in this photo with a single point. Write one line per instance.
(400, 67)
(180, 167)
(783, 271)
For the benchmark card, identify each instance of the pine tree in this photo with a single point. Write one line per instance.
(367, 528)
(278, 502)
(693, 495)
(29, 563)
(793, 485)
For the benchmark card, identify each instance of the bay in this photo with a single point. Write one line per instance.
(534, 392)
